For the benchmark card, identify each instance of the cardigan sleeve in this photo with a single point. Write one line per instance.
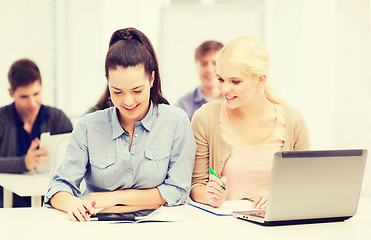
(200, 174)
(57, 123)
(9, 162)
(301, 134)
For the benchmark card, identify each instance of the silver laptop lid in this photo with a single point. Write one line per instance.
(315, 184)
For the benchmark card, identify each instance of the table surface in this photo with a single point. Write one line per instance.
(27, 184)
(43, 223)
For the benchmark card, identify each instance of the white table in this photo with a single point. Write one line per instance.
(28, 184)
(42, 223)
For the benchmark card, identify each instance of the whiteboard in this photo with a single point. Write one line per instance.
(183, 29)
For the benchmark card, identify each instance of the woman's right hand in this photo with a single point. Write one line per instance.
(215, 194)
(80, 210)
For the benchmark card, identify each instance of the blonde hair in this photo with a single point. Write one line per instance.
(250, 57)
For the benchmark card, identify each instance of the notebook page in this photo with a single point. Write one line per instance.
(227, 207)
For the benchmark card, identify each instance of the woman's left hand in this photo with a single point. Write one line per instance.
(260, 201)
(102, 199)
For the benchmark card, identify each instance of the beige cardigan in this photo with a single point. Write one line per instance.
(213, 151)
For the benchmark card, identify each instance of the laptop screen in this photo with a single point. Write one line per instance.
(315, 184)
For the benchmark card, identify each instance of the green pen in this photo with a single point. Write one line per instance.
(213, 173)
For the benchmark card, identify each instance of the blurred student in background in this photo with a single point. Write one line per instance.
(238, 136)
(205, 56)
(23, 121)
(138, 152)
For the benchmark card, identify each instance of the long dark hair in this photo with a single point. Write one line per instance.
(129, 47)
(103, 102)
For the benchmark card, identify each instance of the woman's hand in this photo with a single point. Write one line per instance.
(80, 210)
(215, 194)
(102, 199)
(260, 201)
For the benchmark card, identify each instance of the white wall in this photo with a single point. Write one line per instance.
(27, 31)
(183, 29)
(321, 65)
(84, 28)
(352, 118)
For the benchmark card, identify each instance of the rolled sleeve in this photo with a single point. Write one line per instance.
(176, 187)
(60, 187)
(70, 173)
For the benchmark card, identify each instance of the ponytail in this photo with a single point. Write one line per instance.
(129, 47)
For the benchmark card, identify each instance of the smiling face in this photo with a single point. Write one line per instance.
(28, 99)
(130, 92)
(206, 68)
(237, 87)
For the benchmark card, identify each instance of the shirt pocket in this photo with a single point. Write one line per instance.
(156, 163)
(103, 171)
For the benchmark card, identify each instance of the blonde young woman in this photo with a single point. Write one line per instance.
(238, 136)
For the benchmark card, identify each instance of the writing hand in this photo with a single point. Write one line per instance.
(215, 194)
(80, 210)
(102, 199)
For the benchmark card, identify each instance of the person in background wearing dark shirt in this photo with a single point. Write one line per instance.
(205, 56)
(23, 121)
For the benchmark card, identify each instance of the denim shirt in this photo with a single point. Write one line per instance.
(162, 155)
(191, 102)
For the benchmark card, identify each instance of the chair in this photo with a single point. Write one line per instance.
(58, 155)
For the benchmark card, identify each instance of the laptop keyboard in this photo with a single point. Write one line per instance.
(259, 214)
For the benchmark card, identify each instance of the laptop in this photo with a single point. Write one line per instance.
(311, 187)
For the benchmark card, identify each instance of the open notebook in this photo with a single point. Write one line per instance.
(227, 208)
(161, 214)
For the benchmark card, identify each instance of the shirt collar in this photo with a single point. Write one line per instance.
(18, 118)
(146, 122)
(117, 130)
(42, 116)
(199, 96)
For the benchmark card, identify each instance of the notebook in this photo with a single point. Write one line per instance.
(226, 209)
(137, 214)
(312, 187)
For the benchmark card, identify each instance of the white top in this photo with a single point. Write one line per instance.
(248, 168)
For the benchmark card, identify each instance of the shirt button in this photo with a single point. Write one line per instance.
(129, 169)
(132, 152)
(156, 158)
(138, 123)
(136, 135)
